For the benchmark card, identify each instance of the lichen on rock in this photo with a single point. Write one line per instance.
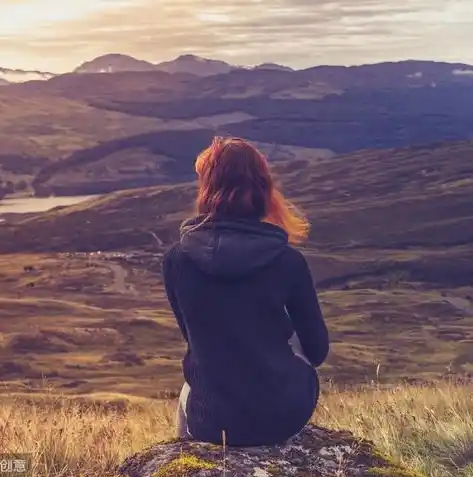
(184, 465)
(314, 452)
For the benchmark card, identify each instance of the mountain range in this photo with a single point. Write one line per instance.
(118, 122)
(114, 63)
(190, 64)
(416, 71)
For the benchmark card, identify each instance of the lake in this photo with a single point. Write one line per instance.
(28, 205)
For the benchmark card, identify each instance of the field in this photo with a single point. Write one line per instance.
(100, 323)
(427, 429)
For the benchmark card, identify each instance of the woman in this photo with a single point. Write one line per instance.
(242, 297)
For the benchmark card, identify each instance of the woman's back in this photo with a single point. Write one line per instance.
(239, 291)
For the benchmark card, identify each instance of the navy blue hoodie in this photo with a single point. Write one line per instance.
(238, 292)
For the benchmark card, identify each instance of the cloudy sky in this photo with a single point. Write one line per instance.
(57, 35)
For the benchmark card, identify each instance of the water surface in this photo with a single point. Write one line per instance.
(28, 205)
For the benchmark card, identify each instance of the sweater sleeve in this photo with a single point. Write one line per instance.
(306, 316)
(170, 278)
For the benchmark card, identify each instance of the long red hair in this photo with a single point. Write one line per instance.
(235, 180)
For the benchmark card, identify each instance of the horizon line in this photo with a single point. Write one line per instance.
(236, 65)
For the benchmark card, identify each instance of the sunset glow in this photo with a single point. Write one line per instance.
(58, 35)
(29, 18)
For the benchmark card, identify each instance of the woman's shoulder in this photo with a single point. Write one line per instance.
(294, 255)
(172, 257)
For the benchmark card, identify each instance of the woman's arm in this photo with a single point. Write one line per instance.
(304, 310)
(170, 277)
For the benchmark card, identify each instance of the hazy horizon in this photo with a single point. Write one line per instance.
(57, 37)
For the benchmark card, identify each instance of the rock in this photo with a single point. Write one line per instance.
(315, 452)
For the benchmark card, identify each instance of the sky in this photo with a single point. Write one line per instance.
(58, 35)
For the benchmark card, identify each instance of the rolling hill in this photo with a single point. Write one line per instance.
(164, 157)
(354, 120)
(37, 131)
(348, 199)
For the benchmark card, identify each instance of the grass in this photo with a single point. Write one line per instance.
(428, 429)
(53, 127)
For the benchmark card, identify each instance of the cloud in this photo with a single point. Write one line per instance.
(462, 72)
(295, 32)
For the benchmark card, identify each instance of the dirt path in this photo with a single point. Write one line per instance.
(120, 275)
(119, 281)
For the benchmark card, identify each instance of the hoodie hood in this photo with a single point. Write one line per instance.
(230, 247)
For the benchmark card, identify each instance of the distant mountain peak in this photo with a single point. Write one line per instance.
(113, 63)
(188, 57)
(195, 65)
(187, 63)
(112, 56)
(273, 66)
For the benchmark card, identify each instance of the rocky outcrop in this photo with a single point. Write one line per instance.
(315, 452)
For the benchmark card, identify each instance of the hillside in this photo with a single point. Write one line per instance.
(156, 158)
(53, 127)
(360, 118)
(399, 74)
(164, 86)
(125, 144)
(98, 132)
(36, 131)
(347, 198)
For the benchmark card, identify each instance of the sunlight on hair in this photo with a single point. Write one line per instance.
(233, 160)
(284, 214)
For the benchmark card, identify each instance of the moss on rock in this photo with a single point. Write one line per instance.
(184, 466)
